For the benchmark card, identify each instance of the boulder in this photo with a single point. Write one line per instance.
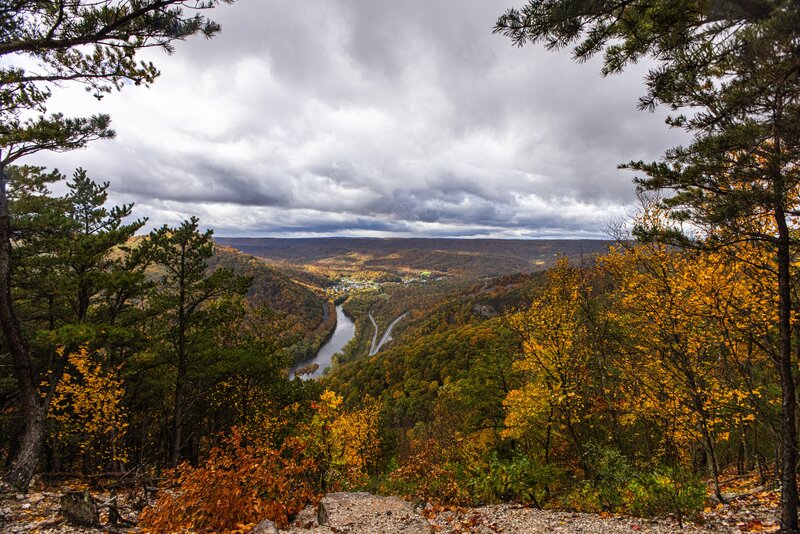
(79, 508)
(265, 527)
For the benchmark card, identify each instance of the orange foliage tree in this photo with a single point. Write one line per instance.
(251, 478)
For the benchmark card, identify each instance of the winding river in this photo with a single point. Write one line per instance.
(344, 332)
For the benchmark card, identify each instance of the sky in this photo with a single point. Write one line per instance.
(372, 118)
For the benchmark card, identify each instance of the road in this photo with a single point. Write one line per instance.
(386, 335)
(374, 334)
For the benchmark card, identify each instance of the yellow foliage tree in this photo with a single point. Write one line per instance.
(87, 408)
(555, 362)
(345, 443)
(688, 317)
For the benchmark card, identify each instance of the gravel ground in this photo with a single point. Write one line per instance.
(516, 519)
(40, 511)
(362, 513)
(367, 514)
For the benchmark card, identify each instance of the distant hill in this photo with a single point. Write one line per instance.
(271, 287)
(375, 257)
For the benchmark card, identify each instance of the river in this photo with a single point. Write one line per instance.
(344, 332)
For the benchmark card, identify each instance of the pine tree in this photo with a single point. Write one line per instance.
(182, 296)
(731, 69)
(71, 257)
(44, 44)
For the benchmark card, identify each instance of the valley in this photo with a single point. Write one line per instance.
(381, 282)
(325, 260)
(161, 373)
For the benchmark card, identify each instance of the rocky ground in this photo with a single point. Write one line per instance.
(364, 513)
(40, 511)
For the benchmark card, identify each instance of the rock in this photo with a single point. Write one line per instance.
(306, 519)
(323, 515)
(265, 527)
(79, 508)
(6, 489)
(366, 513)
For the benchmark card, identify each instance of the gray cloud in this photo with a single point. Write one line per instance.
(372, 117)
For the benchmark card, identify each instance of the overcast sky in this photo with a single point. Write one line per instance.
(372, 118)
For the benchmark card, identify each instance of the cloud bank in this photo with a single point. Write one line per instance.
(372, 117)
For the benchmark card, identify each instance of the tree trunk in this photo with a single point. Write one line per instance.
(708, 441)
(181, 375)
(177, 436)
(711, 458)
(788, 424)
(34, 411)
(24, 466)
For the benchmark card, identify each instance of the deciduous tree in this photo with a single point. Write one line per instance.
(731, 69)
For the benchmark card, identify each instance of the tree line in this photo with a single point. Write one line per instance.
(129, 337)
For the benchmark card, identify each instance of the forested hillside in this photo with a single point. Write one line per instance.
(458, 339)
(270, 287)
(617, 386)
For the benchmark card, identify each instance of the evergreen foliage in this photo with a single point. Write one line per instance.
(90, 43)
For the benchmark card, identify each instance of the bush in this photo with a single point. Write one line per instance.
(666, 491)
(584, 497)
(610, 473)
(237, 486)
(517, 479)
(607, 476)
(614, 486)
(423, 478)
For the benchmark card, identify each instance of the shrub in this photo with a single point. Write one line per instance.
(238, 485)
(609, 474)
(583, 497)
(516, 479)
(423, 478)
(614, 486)
(666, 491)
